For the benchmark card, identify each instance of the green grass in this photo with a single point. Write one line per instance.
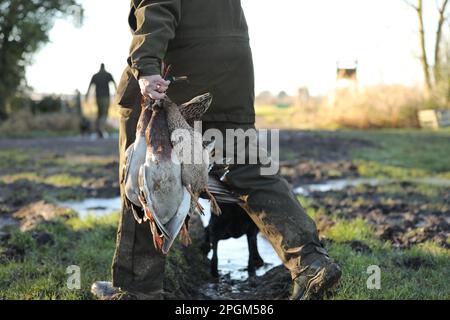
(42, 274)
(402, 153)
(56, 180)
(33, 134)
(88, 244)
(56, 176)
(420, 272)
(399, 279)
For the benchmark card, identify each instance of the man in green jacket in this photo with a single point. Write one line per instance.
(101, 81)
(208, 42)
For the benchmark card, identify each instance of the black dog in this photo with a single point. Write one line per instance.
(234, 222)
(85, 126)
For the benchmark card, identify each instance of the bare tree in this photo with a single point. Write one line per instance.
(437, 49)
(431, 78)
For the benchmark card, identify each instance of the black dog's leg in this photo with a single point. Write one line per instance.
(206, 245)
(254, 259)
(214, 260)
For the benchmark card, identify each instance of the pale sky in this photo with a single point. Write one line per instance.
(295, 43)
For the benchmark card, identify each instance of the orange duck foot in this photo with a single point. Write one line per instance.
(157, 240)
(214, 205)
(195, 200)
(185, 237)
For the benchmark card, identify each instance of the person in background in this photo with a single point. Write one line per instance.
(101, 81)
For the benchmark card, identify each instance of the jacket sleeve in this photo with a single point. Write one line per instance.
(156, 22)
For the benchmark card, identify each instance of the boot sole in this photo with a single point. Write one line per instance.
(325, 280)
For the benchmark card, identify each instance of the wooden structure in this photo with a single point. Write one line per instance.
(434, 119)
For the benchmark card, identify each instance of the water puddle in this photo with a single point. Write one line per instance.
(93, 207)
(7, 221)
(233, 253)
(341, 184)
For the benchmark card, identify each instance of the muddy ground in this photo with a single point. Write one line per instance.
(36, 173)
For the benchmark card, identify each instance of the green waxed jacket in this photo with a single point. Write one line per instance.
(205, 40)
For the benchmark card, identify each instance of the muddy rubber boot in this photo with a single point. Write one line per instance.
(316, 280)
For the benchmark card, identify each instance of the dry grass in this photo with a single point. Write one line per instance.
(24, 122)
(372, 107)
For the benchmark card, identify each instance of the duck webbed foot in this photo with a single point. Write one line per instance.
(184, 236)
(157, 240)
(195, 200)
(214, 205)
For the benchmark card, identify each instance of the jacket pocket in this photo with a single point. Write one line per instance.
(128, 92)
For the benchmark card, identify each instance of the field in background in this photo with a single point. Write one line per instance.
(367, 108)
(25, 124)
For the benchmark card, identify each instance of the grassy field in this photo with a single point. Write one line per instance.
(414, 264)
(416, 272)
(404, 153)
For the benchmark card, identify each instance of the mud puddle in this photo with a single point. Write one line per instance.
(93, 207)
(341, 184)
(233, 253)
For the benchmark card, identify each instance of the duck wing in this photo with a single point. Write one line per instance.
(126, 166)
(221, 192)
(149, 204)
(176, 223)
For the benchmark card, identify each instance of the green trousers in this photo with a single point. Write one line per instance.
(270, 203)
(102, 113)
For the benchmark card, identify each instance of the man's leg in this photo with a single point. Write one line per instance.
(102, 114)
(137, 266)
(272, 205)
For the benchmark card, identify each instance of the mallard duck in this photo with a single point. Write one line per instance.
(165, 200)
(135, 154)
(194, 157)
(134, 158)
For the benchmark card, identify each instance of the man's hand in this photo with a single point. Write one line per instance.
(154, 86)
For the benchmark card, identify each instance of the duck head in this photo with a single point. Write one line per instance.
(194, 109)
(203, 101)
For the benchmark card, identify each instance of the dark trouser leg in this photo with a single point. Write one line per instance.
(137, 266)
(274, 208)
(276, 211)
(102, 114)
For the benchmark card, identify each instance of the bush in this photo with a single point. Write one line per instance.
(48, 104)
(24, 123)
(391, 106)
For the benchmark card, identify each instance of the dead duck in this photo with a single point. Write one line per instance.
(194, 157)
(194, 110)
(165, 200)
(134, 158)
